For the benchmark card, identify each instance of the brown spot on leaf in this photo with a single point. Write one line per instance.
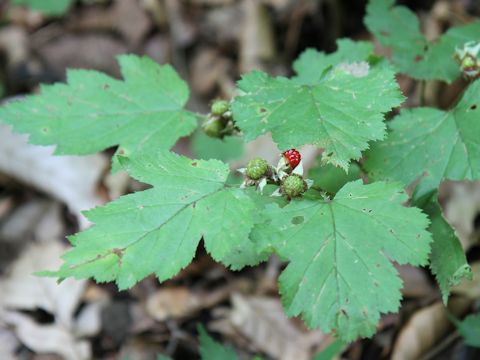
(118, 252)
(418, 58)
(194, 163)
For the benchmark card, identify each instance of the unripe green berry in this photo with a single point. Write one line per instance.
(213, 127)
(257, 168)
(293, 186)
(220, 107)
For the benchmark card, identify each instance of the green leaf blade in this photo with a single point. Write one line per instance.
(341, 113)
(157, 231)
(310, 64)
(340, 276)
(398, 28)
(447, 259)
(429, 145)
(94, 111)
(227, 222)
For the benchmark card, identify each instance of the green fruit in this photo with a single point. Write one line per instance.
(293, 186)
(256, 168)
(213, 127)
(220, 107)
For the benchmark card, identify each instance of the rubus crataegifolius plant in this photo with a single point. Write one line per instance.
(338, 233)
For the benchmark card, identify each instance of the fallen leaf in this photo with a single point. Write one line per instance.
(47, 338)
(263, 321)
(461, 208)
(88, 321)
(426, 327)
(22, 290)
(174, 302)
(71, 179)
(179, 302)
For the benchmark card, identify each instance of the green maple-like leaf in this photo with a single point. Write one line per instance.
(48, 7)
(158, 230)
(310, 64)
(94, 111)
(428, 145)
(447, 259)
(398, 28)
(341, 112)
(340, 276)
(212, 350)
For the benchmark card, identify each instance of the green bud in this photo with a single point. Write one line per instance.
(220, 107)
(213, 127)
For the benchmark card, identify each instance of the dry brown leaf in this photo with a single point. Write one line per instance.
(36, 218)
(88, 322)
(174, 302)
(51, 338)
(71, 179)
(426, 327)
(22, 290)
(262, 320)
(461, 208)
(179, 302)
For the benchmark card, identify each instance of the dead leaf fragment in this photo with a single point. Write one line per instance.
(71, 179)
(426, 327)
(172, 303)
(23, 290)
(47, 338)
(263, 321)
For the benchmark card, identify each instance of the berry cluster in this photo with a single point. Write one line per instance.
(288, 175)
